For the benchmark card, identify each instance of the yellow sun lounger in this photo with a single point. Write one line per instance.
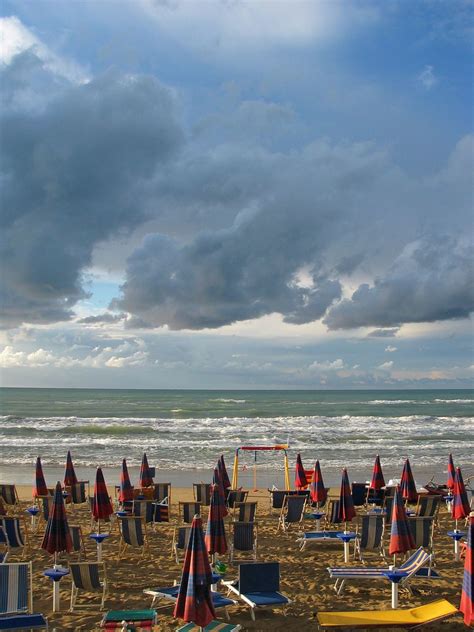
(410, 618)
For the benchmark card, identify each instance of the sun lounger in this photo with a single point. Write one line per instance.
(312, 537)
(16, 599)
(114, 619)
(408, 619)
(213, 626)
(170, 595)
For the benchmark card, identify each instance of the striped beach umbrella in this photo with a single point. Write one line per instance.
(401, 538)
(301, 482)
(407, 484)
(346, 503)
(215, 530)
(146, 479)
(40, 488)
(223, 472)
(217, 481)
(56, 535)
(317, 491)
(460, 507)
(101, 505)
(451, 473)
(194, 603)
(378, 480)
(70, 477)
(467, 593)
(126, 488)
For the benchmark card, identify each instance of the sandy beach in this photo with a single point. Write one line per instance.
(303, 574)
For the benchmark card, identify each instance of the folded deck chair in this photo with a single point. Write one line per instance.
(236, 496)
(258, 585)
(85, 576)
(141, 619)
(15, 533)
(202, 493)
(245, 512)
(408, 619)
(9, 495)
(243, 540)
(77, 539)
(187, 511)
(371, 536)
(16, 598)
(170, 595)
(132, 534)
(180, 542)
(213, 626)
(414, 566)
(292, 512)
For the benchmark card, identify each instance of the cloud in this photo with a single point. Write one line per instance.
(105, 318)
(327, 365)
(390, 332)
(427, 78)
(385, 366)
(390, 349)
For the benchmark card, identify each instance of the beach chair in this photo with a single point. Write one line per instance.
(292, 512)
(422, 531)
(162, 493)
(245, 512)
(258, 585)
(371, 536)
(132, 534)
(332, 514)
(326, 535)
(131, 619)
(387, 510)
(428, 506)
(169, 595)
(407, 618)
(187, 510)
(180, 542)
(15, 532)
(45, 502)
(9, 496)
(243, 540)
(417, 565)
(236, 496)
(161, 512)
(202, 493)
(85, 577)
(359, 494)
(77, 539)
(213, 626)
(277, 497)
(144, 509)
(143, 493)
(16, 599)
(375, 497)
(79, 492)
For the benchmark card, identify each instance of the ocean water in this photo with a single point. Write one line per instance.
(188, 430)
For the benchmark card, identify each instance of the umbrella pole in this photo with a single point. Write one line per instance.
(456, 544)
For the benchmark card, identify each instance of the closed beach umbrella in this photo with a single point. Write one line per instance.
(70, 477)
(451, 473)
(317, 491)
(145, 475)
(407, 484)
(126, 489)
(346, 503)
(461, 507)
(217, 481)
(467, 594)
(401, 538)
(223, 472)
(301, 481)
(378, 480)
(194, 603)
(101, 505)
(215, 530)
(56, 536)
(40, 488)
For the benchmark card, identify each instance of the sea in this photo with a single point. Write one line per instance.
(185, 431)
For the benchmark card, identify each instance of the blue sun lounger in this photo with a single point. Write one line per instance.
(170, 594)
(311, 537)
(213, 626)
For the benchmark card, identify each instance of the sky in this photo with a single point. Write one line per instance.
(231, 194)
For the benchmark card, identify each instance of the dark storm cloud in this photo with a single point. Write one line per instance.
(390, 332)
(72, 170)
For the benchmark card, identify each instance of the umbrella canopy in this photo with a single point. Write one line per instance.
(317, 491)
(407, 484)
(223, 472)
(101, 505)
(70, 477)
(146, 479)
(461, 507)
(40, 488)
(215, 530)
(301, 481)
(378, 480)
(126, 489)
(217, 481)
(467, 593)
(401, 538)
(346, 503)
(194, 601)
(451, 473)
(56, 535)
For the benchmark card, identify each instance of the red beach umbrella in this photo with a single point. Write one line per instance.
(407, 484)
(467, 593)
(40, 488)
(101, 505)
(215, 530)
(70, 477)
(301, 482)
(346, 503)
(217, 480)
(126, 488)
(401, 538)
(194, 603)
(223, 472)
(451, 473)
(378, 480)
(461, 507)
(56, 536)
(317, 491)
(146, 479)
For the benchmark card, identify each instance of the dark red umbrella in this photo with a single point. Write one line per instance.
(460, 507)
(70, 477)
(301, 482)
(407, 484)
(194, 601)
(467, 593)
(223, 472)
(146, 479)
(401, 538)
(56, 536)
(40, 488)
(317, 491)
(451, 473)
(215, 530)
(378, 480)
(217, 481)
(346, 503)
(101, 505)
(126, 488)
